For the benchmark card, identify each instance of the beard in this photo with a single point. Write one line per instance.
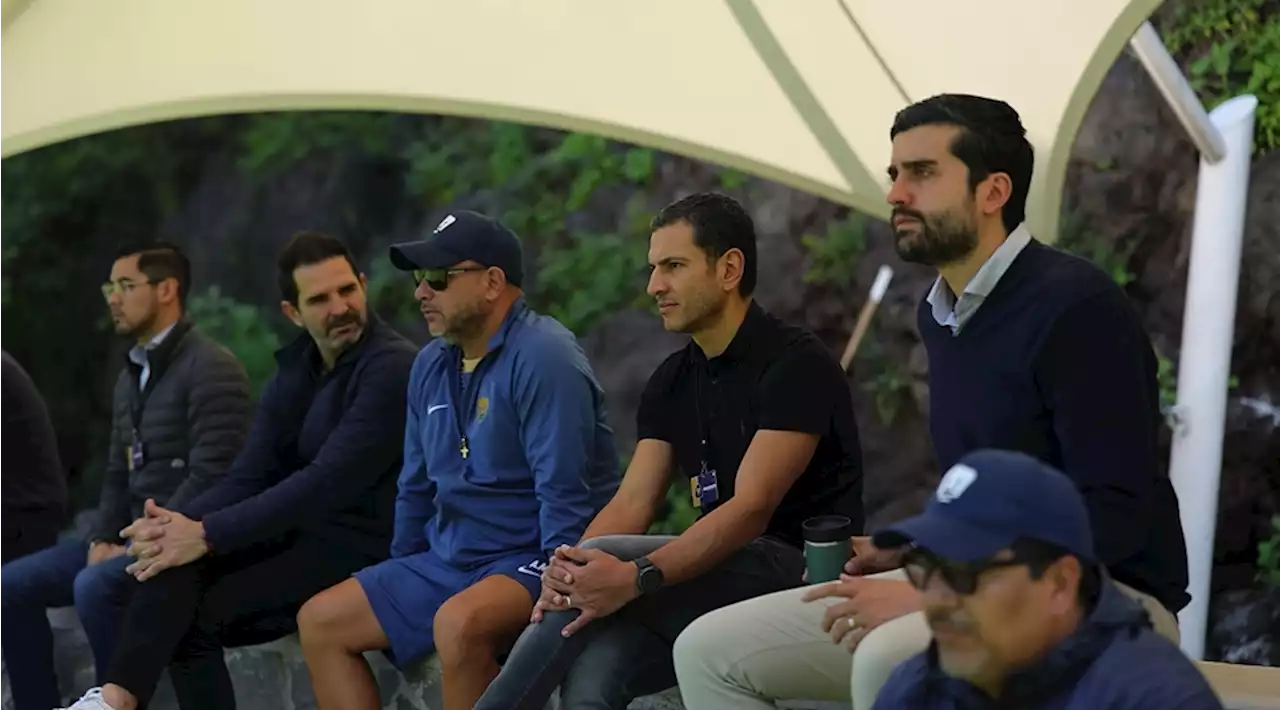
(696, 312)
(465, 323)
(939, 239)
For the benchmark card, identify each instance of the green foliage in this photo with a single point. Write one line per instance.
(1167, 380)
(832, 256)
(274, 142)
(677, 512)
(242, 328)
(888, 382)
(1076, 236)
(1229, 48)
(1269, 556)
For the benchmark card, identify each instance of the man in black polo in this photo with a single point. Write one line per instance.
(756, 415)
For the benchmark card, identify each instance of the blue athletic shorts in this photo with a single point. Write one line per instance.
(406, 592)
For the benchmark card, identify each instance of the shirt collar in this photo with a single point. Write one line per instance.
(742, 341)
(943, 302)
(138, 353)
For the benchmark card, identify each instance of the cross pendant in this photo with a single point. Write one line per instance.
(462, 447)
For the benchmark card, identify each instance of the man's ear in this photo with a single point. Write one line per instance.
(290, 311)
(994, 193)
(730, 267)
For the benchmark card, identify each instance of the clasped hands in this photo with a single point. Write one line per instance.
(592, 581)
(867, 603)
(162, 539)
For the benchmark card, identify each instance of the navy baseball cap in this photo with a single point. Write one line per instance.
(990, 499)
(460, 236)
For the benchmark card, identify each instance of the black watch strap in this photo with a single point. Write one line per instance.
(648, 576)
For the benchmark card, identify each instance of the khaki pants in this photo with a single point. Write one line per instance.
(748, 655)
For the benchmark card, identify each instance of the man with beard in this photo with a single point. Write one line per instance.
(180, 412)
(1041, 352)
(307, 502)
(756, 415)
(508, 455)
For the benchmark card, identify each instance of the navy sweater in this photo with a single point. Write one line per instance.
(323, 452)
(1055, 363)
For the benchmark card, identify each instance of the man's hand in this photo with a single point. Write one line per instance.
(869, 559)
(868, 603)
(103, 551)
(592, 581)
(163, 539)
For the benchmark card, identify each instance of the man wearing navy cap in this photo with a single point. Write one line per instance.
(507, 456)
(1021, 613)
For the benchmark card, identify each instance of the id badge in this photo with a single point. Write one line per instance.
(707, 486)
(135, 455)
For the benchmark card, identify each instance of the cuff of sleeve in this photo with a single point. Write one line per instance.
(217, 535)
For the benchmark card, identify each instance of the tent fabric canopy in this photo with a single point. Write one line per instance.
(798, 91)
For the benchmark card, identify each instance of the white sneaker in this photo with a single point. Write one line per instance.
(91, 700)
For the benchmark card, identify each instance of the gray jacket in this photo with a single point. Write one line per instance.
(191, 420)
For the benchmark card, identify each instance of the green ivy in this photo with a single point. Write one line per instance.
(832, 257)
(1229, 48)
(1076, 236)
(242, 328)
(1269, 556)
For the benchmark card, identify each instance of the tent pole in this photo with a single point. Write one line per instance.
(1182, 99)
(1224, 138)
(1204, 368)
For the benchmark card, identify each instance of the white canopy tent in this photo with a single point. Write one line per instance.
(798, 91)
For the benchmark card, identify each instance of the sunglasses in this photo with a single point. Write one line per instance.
(961, 577)
(438, 279)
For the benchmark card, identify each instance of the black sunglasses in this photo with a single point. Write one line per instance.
(438, 279)
(961, 577)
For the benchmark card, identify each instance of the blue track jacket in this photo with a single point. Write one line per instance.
(539, 461)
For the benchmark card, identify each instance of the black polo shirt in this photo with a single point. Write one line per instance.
(772, 376)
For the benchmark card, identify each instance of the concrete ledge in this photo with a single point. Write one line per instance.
(1244, 687)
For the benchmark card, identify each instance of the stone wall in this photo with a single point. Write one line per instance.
(273, 677)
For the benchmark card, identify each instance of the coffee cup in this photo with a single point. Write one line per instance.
(828, 544)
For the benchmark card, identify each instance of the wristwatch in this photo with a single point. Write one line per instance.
(648, 576)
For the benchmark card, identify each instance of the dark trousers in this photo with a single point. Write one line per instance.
(57, 576)
(611, 661)
(184, 617)
(26, 640)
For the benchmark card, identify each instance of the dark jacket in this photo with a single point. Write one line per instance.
(1114, 661)
(191, 419)
(34, 490)
(324, 451)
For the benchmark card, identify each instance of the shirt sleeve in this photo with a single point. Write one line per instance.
(1096, 372)
(415, 491)
(798, 392)
(556, 401)
(654, 413)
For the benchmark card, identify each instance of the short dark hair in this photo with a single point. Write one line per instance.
(304, 249)
(159, 261)
(719, 224)
(1038, 555)
(991, 140)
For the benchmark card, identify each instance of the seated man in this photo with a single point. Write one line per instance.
(180, 413)
(32, 504)
(507, 456)
(307, 502)
(1021, 613)
(1041, 352)
(757, 416)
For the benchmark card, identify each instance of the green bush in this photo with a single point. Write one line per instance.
(242, 328)
(1229, 48)
(1269, 556)
(832, 257)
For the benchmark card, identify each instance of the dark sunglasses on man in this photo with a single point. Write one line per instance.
(962, 578)
(438, 279)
